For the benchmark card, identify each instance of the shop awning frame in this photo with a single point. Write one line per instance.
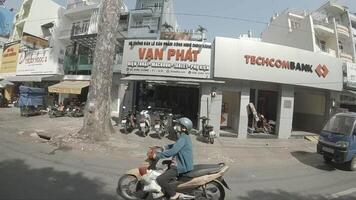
(34, 78)
(169, 79)
(5, 83)
(68, 87)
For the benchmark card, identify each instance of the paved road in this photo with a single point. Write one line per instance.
(283, 170)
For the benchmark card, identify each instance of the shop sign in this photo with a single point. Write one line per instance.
(350, 75)
(33, 41)
(167, 58)
(9, 57)
(259, 61)
(40, 61)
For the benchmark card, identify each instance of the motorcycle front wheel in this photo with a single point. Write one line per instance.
(126, 128)
(127, 187)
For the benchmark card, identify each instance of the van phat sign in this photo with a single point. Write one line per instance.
(167, 58)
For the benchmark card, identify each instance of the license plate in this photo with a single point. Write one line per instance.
(327, 149)
(157, 126)
(124, 121)
(142, 125)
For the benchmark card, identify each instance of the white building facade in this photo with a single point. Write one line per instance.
(31, 16)
(327, 31)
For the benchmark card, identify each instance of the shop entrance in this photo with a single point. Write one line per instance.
(309, 111)
(181, 100)
(265, 103)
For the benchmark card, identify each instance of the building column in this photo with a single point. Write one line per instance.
(121, 96)
(210, 105)
(285, 112)
(243, 114)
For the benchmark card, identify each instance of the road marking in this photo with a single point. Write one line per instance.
(342, 193)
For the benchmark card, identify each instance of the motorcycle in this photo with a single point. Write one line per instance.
(205, 182)
(162, 124)
(128, 122)
(145, 121)
(208, 131)
(55, 111)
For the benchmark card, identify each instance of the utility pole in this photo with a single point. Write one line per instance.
(97, 117)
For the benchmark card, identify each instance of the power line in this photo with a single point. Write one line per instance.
(216, 17)
(239, 19)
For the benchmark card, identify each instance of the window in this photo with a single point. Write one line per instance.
(295, 25)
(76, 28)
(341, 47)
(323, 45)
(85, 26)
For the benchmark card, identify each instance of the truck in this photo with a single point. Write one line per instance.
(337, 140)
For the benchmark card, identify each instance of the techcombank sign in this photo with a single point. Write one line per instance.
(259, 61)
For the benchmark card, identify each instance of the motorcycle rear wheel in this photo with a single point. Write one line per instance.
(211, 140)
(127, 191)
(214, 191)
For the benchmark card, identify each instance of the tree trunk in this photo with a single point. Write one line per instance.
(97, 117)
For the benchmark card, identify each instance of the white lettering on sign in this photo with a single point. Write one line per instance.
(167, 58)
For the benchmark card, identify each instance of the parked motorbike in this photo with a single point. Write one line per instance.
(207, 131)
(75, 110)
(145, 121)
(128, 122)
(56, 111)
(204, 182)
(162, 124)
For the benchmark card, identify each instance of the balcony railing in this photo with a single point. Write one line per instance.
(346, 56)
(324, 26)
(82, 29)
(343, 30)
(76, 4)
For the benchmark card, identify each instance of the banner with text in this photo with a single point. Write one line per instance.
(167, 58)
(41, 61)
(9, 57)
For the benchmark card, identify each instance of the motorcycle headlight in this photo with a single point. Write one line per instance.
(343, 144)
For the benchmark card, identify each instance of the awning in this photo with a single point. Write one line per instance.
(34, 78)
(352, 92)
(69, 87)
(169, 79)
(5, 83)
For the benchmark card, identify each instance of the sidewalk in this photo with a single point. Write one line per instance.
(233, 151)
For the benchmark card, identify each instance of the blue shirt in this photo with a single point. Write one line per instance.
(182, 151)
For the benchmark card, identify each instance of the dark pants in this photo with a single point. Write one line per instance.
(164, 179)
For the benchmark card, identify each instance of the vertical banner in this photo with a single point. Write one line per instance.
(9, 57)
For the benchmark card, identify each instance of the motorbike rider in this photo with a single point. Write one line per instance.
(182, 153)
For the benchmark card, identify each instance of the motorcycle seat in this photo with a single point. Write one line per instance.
(204, 169)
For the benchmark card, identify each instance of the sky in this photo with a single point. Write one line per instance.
(247, 14)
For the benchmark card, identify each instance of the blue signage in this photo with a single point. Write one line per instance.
(6, 21)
